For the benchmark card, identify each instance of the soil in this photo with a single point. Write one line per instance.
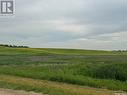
(16, 92)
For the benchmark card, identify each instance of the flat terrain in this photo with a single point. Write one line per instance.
(63, 71)
(52, 86)
(15, 92)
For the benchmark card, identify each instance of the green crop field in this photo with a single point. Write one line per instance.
(62, 71)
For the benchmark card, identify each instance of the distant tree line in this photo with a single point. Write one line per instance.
(13, 46)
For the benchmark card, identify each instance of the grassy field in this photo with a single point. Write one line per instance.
(48, 87)
(62, 71)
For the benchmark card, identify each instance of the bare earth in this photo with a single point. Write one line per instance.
(15, 92)
(120, 93)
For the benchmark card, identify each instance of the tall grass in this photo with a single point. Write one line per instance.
(102, 69)
(75, 74)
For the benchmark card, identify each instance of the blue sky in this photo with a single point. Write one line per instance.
(86, 24)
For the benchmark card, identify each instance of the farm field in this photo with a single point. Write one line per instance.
(63, 71)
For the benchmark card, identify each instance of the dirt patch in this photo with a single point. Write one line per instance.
(120, 93)
(16, 92)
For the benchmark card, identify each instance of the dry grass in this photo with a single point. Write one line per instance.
(54, 86)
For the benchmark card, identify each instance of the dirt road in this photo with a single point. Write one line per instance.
(15, 92)
(120, 93)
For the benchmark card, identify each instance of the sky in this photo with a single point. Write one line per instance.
(80, 24)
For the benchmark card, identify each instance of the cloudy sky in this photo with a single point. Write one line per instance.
(86, 24)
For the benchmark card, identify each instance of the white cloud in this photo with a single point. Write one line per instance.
(90, 24)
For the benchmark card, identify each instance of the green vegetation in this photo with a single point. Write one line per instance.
(66, 73)
(100, 69)
(48, 87)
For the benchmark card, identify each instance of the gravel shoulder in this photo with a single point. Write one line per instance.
(16, 92)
